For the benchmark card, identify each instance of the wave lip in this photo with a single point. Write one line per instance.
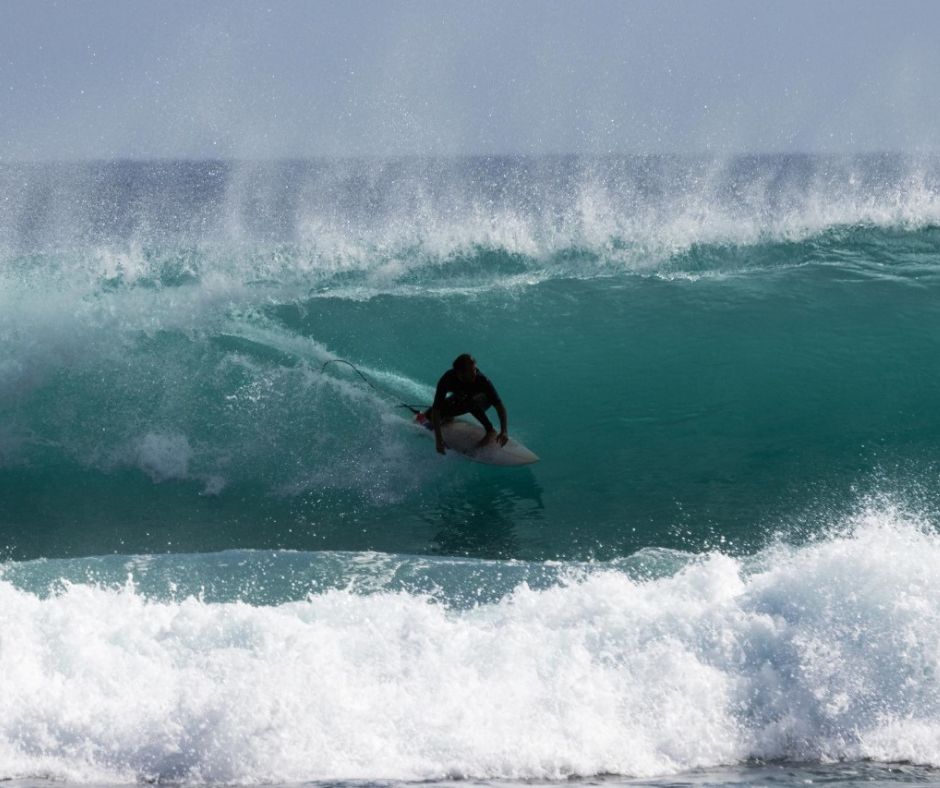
(819, 653)
(376, 225)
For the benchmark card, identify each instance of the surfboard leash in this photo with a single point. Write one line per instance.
(413, 408)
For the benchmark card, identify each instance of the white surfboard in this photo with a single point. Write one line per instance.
(464, 436)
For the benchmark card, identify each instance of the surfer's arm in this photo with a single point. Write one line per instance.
(438, 437)
(440, 394)
(503, 424)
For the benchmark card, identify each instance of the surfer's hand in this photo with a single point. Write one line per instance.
(502, 438)
(487, 439)
(441, 448)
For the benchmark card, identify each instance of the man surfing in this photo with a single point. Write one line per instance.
(464, 389)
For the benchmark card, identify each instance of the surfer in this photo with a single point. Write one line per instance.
(470, 391)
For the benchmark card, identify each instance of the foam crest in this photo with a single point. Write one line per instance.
(828, 651)
(386, 225)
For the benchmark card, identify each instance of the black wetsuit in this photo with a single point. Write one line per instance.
(473, 398)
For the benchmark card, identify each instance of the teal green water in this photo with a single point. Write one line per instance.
(667, 412)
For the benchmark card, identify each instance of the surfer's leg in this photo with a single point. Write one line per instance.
(480, 415)
(454, 407)
(447, 413)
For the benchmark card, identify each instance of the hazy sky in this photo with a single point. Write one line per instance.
(198, 78)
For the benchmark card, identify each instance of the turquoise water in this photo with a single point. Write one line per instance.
(730, 370)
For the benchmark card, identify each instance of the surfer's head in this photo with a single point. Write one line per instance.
(465, 366)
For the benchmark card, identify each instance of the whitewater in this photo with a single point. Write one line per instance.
(222, 563)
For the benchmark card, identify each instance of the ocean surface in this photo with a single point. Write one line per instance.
(221, 562)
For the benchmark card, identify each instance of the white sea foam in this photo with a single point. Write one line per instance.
(827, 651)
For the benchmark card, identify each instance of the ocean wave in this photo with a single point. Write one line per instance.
(161, 381)
(822, 652)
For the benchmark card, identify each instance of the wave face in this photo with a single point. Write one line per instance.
(223, 562)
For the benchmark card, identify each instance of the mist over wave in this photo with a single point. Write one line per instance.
(395, 222)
